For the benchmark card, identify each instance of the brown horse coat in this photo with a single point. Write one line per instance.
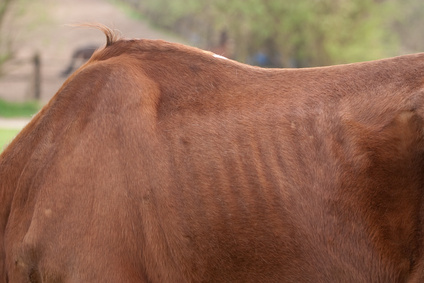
(157, 162)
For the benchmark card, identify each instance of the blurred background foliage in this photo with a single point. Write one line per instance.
(297, 33)
(283, 33)
(5, 48)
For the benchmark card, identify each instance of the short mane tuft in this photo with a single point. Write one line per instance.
(112, 36)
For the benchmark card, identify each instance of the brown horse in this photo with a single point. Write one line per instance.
(158, 162)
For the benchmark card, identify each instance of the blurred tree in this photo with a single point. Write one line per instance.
(409, 25)
(310, 33)
(4, 5)
(289, 33)
(4, 48)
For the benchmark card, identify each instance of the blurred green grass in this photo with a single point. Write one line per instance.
(6, 136)
(16, 109)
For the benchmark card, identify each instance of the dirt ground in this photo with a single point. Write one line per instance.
(42, 28)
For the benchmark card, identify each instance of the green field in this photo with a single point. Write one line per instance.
(16, 109)
(6, 136)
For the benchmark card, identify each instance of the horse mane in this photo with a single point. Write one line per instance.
(112, 35)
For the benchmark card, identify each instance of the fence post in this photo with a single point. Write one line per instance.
(37, 76)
